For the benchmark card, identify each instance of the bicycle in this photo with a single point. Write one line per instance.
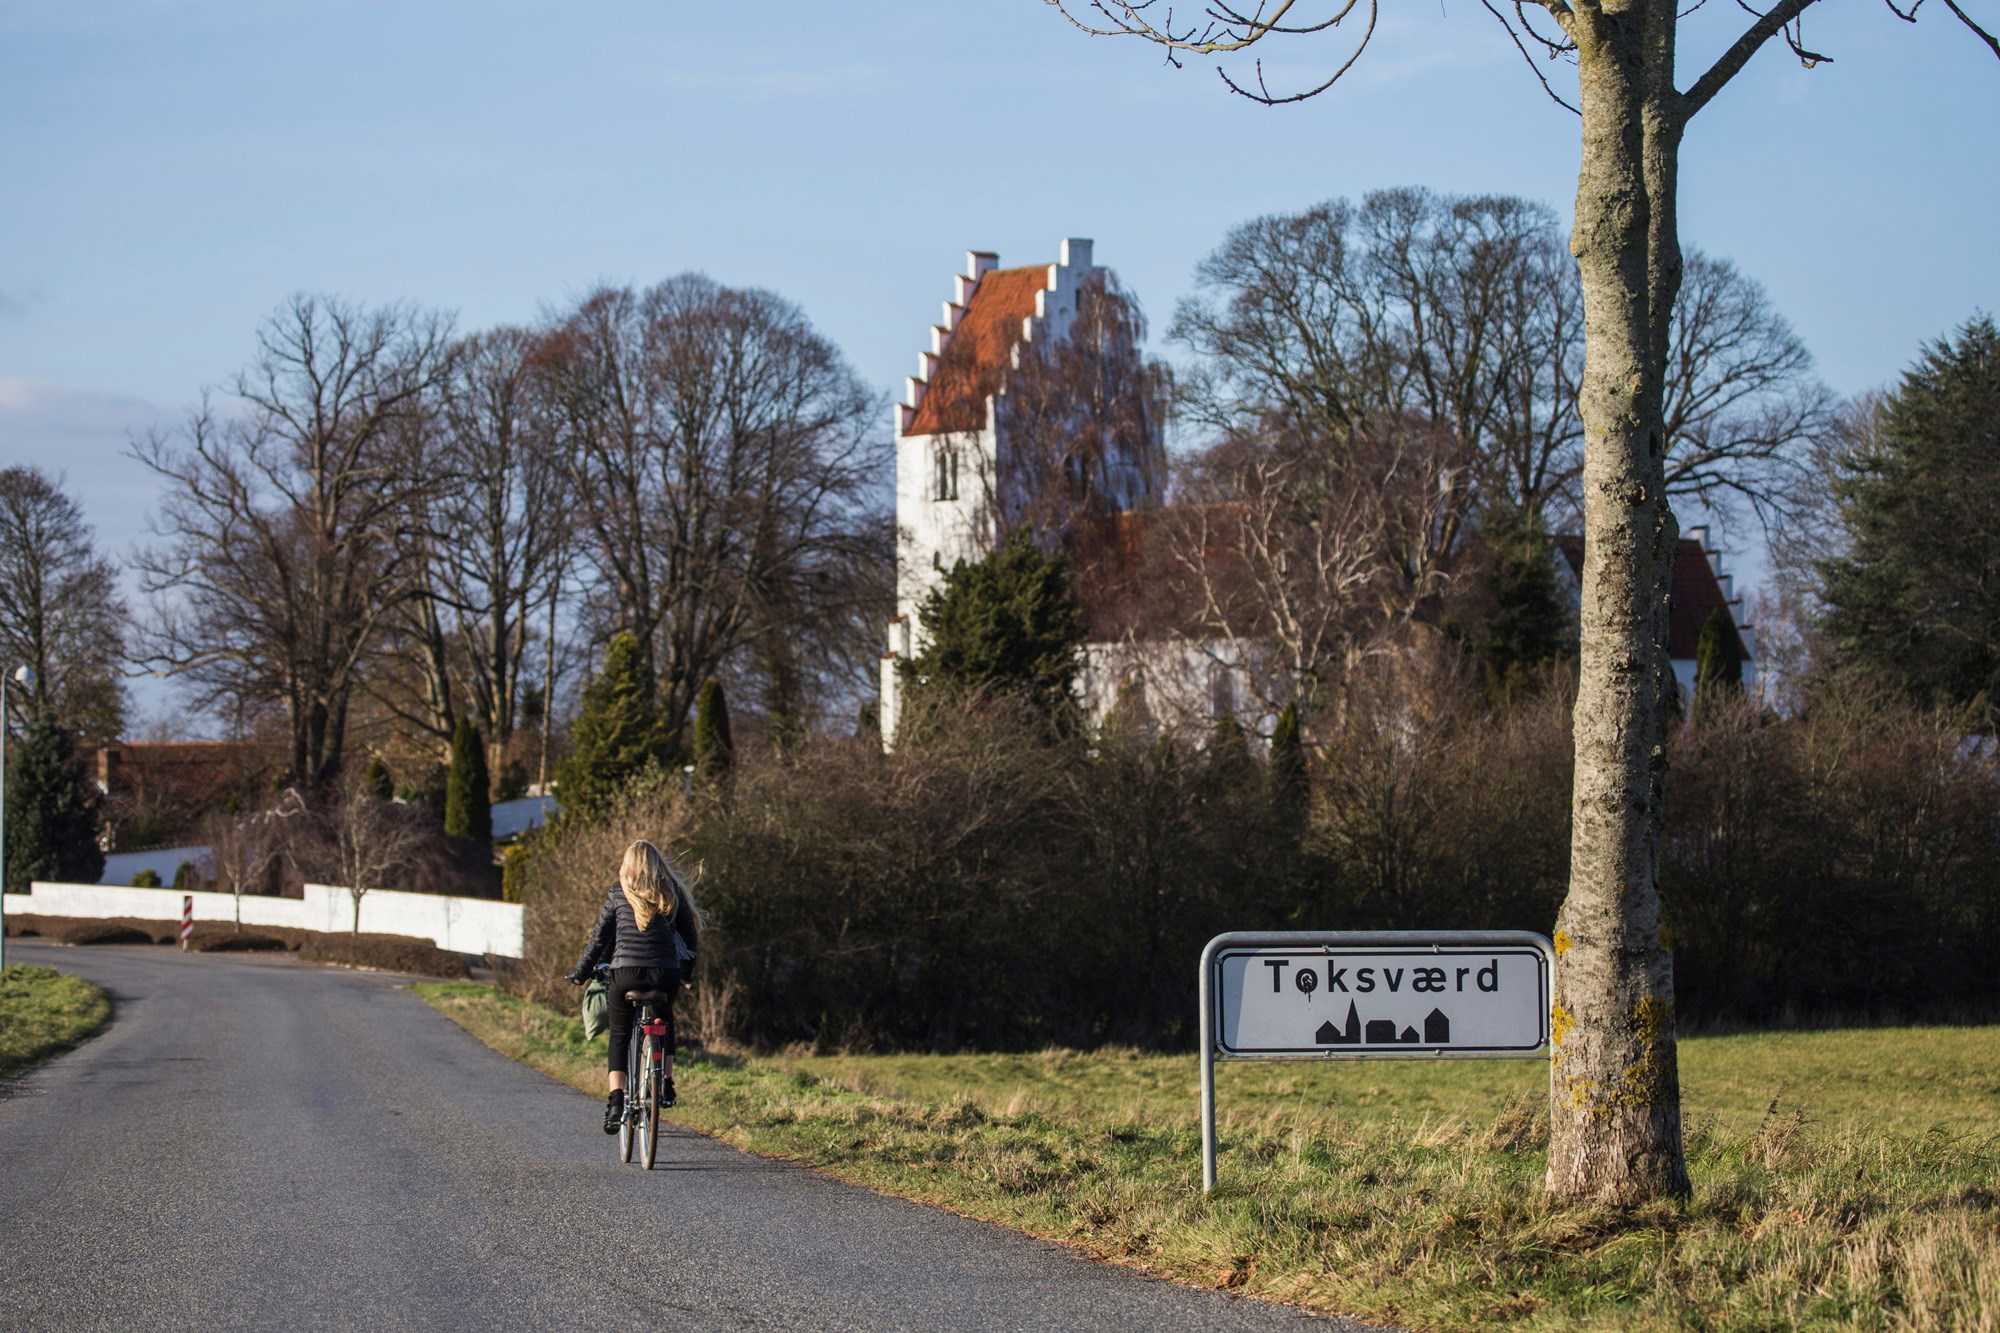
(645, 1072)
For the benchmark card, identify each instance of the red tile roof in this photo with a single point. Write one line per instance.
(977, 352)
(1693, 593)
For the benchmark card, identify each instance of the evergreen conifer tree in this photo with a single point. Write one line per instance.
(1008, 622)
(1718, 659)
(1228, 754)
(617, 736)
(468, 807)
(1530, 617)
(1290, 796)
(1912, 599)
(714, 750)
(52, 811)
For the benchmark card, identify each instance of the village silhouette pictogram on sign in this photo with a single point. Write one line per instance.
(1382, 1031)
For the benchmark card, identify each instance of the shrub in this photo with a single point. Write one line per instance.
(994, 884)
(186, 878)
(146, 879)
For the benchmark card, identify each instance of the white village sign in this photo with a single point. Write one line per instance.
(1310, 995)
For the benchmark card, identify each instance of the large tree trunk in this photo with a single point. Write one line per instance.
(1614, 1089)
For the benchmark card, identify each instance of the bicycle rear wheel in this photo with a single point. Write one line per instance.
(649, 1105)
(632, 1067)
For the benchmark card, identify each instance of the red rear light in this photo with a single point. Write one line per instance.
(656, 1028)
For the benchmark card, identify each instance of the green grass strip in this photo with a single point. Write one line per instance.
(43, 1012)
(1842, 1180)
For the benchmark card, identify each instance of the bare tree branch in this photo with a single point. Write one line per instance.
(1726, 66)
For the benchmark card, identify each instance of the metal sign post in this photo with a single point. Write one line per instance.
(1369, 995)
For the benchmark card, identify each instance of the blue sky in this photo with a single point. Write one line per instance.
(172, 170)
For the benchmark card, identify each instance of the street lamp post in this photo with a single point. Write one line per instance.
(26, 679)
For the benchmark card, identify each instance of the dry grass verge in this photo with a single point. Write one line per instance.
(1405, 1192)
(388, 953)
(43, 1012)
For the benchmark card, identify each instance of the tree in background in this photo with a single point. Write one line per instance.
(1912, 596)
(1527, 617)
(714, 749)
(617, 736)
(60, 613)
(244, 849)
(1291, 791)
(283, 524)
(725, 466)
(1718, 659)
(52, 811)
(488, 547)
(468, 803)
(1008, 623)
(1614, 1105)
(1467, 311)
(373, 840)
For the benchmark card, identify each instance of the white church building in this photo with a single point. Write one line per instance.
(961, 479)
(966, 474)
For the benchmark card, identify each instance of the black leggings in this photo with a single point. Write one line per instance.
(619, 1010)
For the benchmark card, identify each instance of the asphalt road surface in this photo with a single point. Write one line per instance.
(258, 1143)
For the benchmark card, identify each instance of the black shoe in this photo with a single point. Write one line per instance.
(667, 1095)
(614, 1111)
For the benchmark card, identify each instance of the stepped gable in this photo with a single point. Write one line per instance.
(978, 351)
(1695, 589)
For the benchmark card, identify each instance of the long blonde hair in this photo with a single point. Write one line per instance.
(648, 883)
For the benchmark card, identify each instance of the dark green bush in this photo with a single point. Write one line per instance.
(994, 884)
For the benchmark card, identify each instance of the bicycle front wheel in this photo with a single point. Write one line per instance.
(649, 1105)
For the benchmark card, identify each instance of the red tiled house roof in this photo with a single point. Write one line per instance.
(978, 351)
(1693, 594)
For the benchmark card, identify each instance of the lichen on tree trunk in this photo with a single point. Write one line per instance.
(1615, 1090)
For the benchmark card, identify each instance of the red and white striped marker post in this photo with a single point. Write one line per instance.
(187, 920)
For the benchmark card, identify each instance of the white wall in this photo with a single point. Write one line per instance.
(462, 925)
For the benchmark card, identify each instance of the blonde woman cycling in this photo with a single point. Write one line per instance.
(644, 914)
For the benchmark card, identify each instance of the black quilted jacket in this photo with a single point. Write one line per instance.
(617, 939)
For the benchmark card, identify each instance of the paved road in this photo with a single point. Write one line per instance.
(259, 1143)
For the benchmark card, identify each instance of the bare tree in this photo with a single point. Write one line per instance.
(487, 543)
(1461, 311)
(1615, 1096)
(60, 613)
(1295, 563)
(373, 839)
(1469, 311)
(246, 848)
(1083, 417)
(282, 526)
(1743, 409)
(726, 470)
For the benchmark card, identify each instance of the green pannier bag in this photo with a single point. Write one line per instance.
(596, 1008)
